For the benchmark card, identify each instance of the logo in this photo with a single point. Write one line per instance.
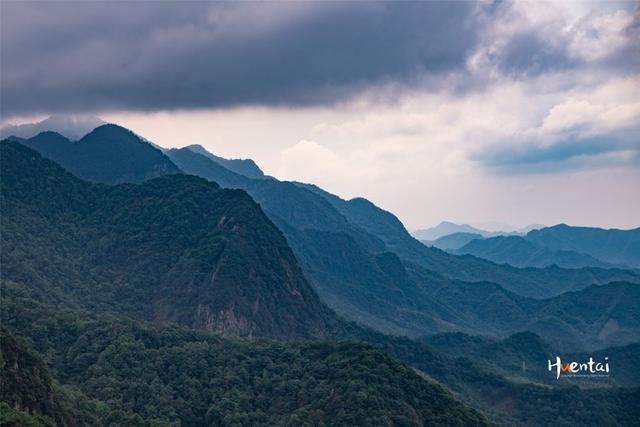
(580, 369)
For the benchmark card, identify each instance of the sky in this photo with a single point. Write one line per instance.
(472, 112)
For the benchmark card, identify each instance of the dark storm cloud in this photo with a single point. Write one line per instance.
(80, 57)
(571, 152)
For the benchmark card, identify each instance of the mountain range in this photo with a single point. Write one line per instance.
(365, 265)
(563, 245)
(446, 228)
(135, 293)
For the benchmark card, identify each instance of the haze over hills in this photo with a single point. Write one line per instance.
(72, 127)
(443, 300)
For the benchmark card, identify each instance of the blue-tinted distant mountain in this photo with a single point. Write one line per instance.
(445, 228)
(521, 252)
(245, 167)
(108, 154)
(72, 127)
(609, 245)
(453, 241)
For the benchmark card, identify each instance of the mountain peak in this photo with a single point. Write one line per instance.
(109, 154)
(51, 136)
(110, 132)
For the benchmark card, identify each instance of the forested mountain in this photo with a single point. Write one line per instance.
(613, 246)
(179, 376)
(109, 154)
(523, 252)
(176, 248)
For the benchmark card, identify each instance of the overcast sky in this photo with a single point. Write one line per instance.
(470, 112)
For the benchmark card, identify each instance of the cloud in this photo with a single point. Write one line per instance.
(112, 56)
(588, 127)
(126, 55)
(571, 153)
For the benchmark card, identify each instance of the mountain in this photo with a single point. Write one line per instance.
(522, 252)
(109, 154)
(446, 228)
(562, 245)
(173, 249)
(453, 241)
(72, 127)
(610, 245)
(245, 167)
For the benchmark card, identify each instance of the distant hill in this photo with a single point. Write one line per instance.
(522, 252)
(446, 228)
(452, 241)
(563, 245)
(611, 245)
(245, 167)
(108, 154)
